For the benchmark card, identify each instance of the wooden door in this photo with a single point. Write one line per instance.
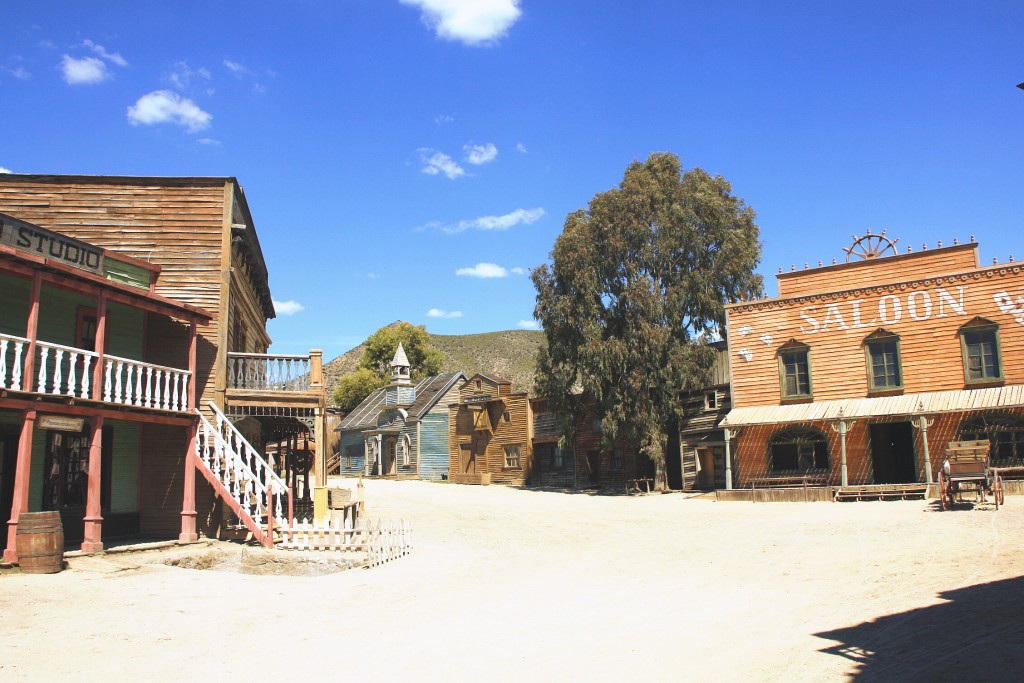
(594, 466)
(892, 453)
(706, 475)
(8, 461)
(467, 459)
(389, 455)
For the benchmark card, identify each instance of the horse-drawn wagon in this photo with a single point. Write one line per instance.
(966, 468)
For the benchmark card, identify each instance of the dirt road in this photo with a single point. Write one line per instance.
(515, 585)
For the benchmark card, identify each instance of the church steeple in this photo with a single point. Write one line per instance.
(400, 367)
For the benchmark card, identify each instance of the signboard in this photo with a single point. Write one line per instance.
(33, 239)
(60, 423)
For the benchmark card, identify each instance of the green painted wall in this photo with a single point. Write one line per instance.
(126, 273)
(124, 466)
(14, 310)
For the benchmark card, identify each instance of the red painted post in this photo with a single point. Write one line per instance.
(192, 365)
(93, 535)
(188, 505)
(31, 332)
(101, 344)
(270, 503)
(19, 503)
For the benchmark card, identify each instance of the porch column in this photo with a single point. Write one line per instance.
(19, 502)
(101, 344)
(923, 425)
(193, 363)
(188, 505)
(31, 332)
(319, 467)
(728, 459)
(93, 537)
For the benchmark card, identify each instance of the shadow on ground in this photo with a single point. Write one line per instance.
(977, 636)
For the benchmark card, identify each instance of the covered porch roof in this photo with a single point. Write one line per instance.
(926, 403)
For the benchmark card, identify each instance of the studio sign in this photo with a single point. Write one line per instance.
(35, 240)
(919, 305)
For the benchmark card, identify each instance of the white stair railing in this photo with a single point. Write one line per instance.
(241, 470)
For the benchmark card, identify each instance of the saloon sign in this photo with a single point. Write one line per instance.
(35, 240)
(918, 306)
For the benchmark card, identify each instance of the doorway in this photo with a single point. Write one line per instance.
(594, 467)
(8, 462)
(892, 453)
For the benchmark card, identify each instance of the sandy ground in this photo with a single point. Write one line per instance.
(515, 585)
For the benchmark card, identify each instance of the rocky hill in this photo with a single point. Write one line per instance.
(511, 354)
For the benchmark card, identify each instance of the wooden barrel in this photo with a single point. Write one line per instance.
(40, 542)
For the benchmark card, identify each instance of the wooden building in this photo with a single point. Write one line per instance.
(195, 241)
(700, 463)
(490, 436)
(401, 430)
(862, 372)
(583, 461)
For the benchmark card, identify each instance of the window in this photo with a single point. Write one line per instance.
(512, 456)
(979, 340)
(711, 400)
(617, 459)
(1004, 431)
(239, 331)
(595, 425)
(66, 466)
(559, 457)
(795, 370)
(883, 358)
(406, 450)
(85, 330)
(507, 416)
(351, 453)
(798, 449)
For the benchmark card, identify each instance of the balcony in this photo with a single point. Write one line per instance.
(281, 380)
(67, 373)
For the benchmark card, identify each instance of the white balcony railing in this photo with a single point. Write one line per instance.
(68, 371)
(269, 372)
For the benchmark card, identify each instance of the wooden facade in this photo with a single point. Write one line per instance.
(189, 244)
(490, 436)
(885, 360)
(89, 381)
(699, 461)
(401, 434)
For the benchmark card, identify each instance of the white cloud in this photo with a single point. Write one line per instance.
(505, 222)
(483, 270)
(439, 162)
(472, 22)
(441, 313)
(115, 57)
(86, 70)
(528, 325)
(442, 119)
(208, 141)
(520, 147)
(18, 72)
(164, 106)
(480, 154)
(373, 276)
(5, 170)
(182, 75)
(236, 67)
(518, 271)
(288, 307)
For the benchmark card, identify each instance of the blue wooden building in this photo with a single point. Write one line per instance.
(401, 430)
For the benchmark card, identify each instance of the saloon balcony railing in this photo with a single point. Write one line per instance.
(66, 371)
(273, 372)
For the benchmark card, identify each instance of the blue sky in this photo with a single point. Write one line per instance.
(413, 159)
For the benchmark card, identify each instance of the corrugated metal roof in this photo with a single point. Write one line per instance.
(907, 404)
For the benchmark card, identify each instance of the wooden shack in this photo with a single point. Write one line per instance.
(490, 433)
(861, 372)
(401, 430)
(190, 241)
(698, 463)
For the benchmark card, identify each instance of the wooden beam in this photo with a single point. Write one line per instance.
(86, 408)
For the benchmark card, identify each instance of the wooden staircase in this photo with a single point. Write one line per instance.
(246, 483)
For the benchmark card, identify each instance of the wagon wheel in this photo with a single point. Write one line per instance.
(997, 490)
(945, 495)
(871, 246)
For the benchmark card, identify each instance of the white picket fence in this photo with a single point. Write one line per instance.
(382, 541)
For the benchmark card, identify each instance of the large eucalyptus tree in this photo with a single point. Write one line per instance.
(635, 292)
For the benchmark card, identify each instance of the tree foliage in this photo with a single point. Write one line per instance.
(350, 390)
(382, 344)
(635, 292)
(374, 369)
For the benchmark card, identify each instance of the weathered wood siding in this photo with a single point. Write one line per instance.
(353, 453)
(162, 470)
(596, 465)
(494, 397)
(926, 311)
(433, 445)
(177, 224)
(880, 271)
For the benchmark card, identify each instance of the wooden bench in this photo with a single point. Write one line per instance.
(633, 485)
(881, 492)
(786, 481)
(340, 501)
